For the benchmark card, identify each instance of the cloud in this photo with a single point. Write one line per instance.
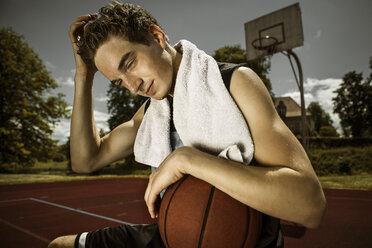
(318, 34)
(49, 66)
(68, 81)
(321, 91)
(101, 117)
(101, 99)
(62, 129)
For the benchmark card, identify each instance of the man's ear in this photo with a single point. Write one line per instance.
(158, 35)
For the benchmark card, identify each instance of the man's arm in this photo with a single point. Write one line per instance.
(89, 152)
(283, 186)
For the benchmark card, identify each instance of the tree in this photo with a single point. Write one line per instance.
(65, 149)
(320, 117)
(28, 109)
(353, 104)
(122, 105)
(328, 131)
(236, 55)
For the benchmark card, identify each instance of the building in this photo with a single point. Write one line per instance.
(290, 112)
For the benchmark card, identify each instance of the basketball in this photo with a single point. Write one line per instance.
(193, 213)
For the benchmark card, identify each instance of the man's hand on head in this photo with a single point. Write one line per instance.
(76, 33)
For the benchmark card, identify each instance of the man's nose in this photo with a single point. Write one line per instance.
(133, 84)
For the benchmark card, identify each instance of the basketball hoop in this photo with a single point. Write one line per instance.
(278, 31)
(266, 43)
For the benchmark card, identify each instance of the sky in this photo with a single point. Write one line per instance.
(337, 40)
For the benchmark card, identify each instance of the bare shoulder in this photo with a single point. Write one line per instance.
(252, 97)
(274, 143)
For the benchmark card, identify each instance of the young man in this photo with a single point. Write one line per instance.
(126, 44)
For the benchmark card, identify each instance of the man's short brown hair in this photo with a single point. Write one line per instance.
(125, 20)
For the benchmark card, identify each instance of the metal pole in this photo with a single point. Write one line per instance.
(303, 111)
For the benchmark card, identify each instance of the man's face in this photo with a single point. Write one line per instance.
(144, 70)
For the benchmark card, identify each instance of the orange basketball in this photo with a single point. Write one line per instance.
(194, 213)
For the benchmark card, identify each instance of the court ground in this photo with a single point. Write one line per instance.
(31, 215)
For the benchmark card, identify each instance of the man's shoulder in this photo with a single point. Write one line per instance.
(245, 74)
(227, 70)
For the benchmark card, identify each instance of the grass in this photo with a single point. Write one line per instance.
(59, 168)
(56, 171)
(362, 182)
(39, 178)
(50, 165)
(37, 167)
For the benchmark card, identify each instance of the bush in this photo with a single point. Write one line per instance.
(342, 161)
(59, 157)
(334, 142)
(328, 131)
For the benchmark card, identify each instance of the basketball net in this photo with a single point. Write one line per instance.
(265, 46)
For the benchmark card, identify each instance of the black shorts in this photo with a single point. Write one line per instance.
(124, 236)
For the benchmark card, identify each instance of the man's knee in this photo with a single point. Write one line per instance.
(63, 242)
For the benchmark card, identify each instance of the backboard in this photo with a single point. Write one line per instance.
(283, 27)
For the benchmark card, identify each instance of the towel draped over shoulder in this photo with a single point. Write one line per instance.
(204, 114)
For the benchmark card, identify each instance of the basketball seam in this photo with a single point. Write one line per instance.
(166, 210)
(206, 213)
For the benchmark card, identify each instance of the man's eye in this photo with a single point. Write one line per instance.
(130, 63)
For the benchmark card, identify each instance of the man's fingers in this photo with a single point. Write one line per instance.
(78, 24)
(152, 197)
(147, 191)
(148, 186)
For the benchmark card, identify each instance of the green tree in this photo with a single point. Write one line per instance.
(122, 105)
(353, 104)
(102, 133)
(65, 149)
(28, 109)
(236, 55)
(369, 108)
(328, 131)
(320, 117)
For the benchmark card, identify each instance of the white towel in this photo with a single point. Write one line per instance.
(204, 114)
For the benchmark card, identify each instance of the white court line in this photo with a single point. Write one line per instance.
(20, 199)
(81, 211)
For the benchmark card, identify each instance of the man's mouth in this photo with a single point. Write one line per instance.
(150, 89)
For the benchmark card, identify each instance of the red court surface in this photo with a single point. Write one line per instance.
(31, 215)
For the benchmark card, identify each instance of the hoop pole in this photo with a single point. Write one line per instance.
(293, 70)
(301, 88)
